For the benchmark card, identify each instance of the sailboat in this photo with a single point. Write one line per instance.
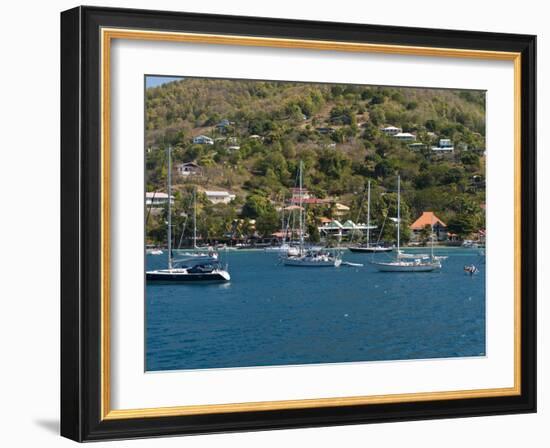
(404, 262)
(284, 247)
(303, 257)
(187, 270)
(368, 247)
(197, 252)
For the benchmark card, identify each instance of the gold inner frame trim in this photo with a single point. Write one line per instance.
(107, 35)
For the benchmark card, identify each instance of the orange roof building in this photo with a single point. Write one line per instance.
(427, 219)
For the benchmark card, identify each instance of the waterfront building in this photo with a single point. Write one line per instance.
(429, 219)
(333, 227)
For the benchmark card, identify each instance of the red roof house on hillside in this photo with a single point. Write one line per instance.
(429, 219)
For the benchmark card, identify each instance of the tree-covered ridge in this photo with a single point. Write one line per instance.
(268, 127)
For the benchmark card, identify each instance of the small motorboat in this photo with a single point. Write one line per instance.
(471, 269)
(154, 251)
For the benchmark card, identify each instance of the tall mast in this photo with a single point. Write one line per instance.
(283, 227)
(398, 212)
(432, 238)
(169, 188)
(368, 216)
(195, 218)
(301, 210)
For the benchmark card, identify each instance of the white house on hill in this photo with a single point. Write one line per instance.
(391, 130)
(445, 145)
(203, 140)
(219, 197)
(157, 199)
(405, 136)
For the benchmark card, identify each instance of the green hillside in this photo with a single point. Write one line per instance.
(336, 131)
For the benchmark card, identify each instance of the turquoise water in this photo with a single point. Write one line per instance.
(270, 314)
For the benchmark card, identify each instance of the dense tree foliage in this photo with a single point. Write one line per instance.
(335, 130)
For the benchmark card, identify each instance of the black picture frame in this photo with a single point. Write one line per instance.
(81, 224)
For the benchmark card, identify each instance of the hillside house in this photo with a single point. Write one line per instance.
(219, 197)
(325, 130)
(405, 136)
(417, 146)
(223, 125)
(391, 130)
(445, 146)
(340, 210)
(203, 140)
(188, 169)
(157, 199)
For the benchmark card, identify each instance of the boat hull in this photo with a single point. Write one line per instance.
(370, 250)
(154, 252)
(186, 277)
(300, 262)
(395, 267)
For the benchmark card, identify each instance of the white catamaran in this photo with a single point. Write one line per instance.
(195, 269)
(408, 262)
(368, 247)
(303, 257)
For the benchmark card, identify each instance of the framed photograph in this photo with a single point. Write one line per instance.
(275, 224)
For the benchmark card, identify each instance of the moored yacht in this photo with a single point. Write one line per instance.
(408, 262)
(203, 253)
(368, 247)
(202, 271)
(193, 269)
(314, 257)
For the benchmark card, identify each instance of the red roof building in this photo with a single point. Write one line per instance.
(431, 220)
(427, 219)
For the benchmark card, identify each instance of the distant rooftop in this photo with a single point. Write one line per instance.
(157, 195)
(216, 193)
(426, 219)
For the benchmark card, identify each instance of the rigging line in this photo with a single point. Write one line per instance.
(381, 229)
(155, 192)
(184, 226)
(291, 214)
(149, 208)
(359, 212)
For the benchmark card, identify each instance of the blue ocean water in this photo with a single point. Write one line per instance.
(271, 314)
